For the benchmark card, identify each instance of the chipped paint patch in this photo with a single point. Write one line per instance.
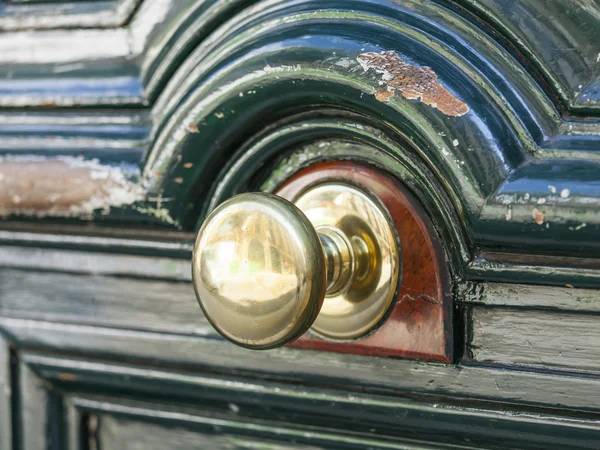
(538, 216)
(384, 96)
(414, 82)
(159, 212)
(62, 186)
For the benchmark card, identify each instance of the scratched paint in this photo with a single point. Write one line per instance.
(413, 82)
(62, 186)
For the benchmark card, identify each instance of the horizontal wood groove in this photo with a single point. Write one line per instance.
(584, 301)
(348, 372)
(382, 425)
(169, 258)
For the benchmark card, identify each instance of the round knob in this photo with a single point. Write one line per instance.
(262, 267)
(259, 271)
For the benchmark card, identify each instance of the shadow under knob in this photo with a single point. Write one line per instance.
(259, 271)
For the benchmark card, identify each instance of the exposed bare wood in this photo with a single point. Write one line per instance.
(62, 186)
(414, 82)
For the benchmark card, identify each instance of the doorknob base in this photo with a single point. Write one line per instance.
(361, 301)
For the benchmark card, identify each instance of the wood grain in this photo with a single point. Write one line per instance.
(108, 301)
(420, 323)
(531, 296)
(5, 396)
(535, 338)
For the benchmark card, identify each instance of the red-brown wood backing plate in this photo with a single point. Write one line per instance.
(419, 325)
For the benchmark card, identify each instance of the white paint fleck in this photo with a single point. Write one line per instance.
(234, 408)
(241, 94)
(526, 196)
(579, 227)
(16, 199)
(344, 62)
(598, 58)
(541, 201)
(455, 142)
(53, 198)
(445, 152)
(565, 193)
(552, 189)
(508, 214)
(99, 175)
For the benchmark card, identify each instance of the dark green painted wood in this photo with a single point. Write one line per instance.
(551, 36)
(511, 117)
(324, 413)
(125, 426)
(195, 100)
(313, 370)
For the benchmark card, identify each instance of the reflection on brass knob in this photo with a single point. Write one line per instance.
(263, 267)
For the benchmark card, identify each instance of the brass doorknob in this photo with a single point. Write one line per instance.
(263, 266)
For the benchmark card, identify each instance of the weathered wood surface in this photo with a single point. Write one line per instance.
(109, 301)
(251, 407)
(531, 296)
(104, 263)
(29, 15)
(347, 372)
(5, 396)
(542, 339)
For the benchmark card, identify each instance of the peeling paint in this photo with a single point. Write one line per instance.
(414, 82)
(384, 96)
(193, 128)
(538, 216)
(62, 186)
(158, 212)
